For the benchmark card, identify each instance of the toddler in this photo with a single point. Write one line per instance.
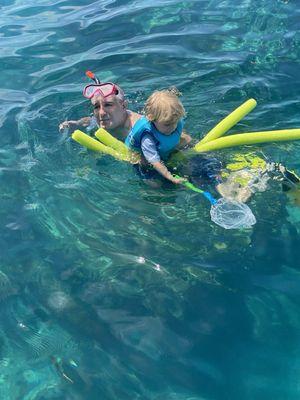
(159, 133)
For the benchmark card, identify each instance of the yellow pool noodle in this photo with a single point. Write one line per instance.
(228, 122)
(110, 141)
(93, 144)
(249, 138)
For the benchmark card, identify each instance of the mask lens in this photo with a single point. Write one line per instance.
(106, 89)
(90, 91)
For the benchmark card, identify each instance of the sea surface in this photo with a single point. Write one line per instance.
(111, 289)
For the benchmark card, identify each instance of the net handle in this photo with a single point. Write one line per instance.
(190, 186)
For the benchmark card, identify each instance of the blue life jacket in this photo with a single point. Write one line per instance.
(165, 143)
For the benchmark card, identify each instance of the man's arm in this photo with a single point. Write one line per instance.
(80, 123)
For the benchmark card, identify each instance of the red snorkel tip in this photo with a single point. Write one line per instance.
(90, 74)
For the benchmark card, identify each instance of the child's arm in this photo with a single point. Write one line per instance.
(151, 154)
(163, 170)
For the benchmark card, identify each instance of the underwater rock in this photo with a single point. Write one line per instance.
(59, 301)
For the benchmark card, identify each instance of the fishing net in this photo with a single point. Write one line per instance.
(230, 214)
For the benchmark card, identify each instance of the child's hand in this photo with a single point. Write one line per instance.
(178, 181)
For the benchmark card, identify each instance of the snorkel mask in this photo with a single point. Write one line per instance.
(104, 89)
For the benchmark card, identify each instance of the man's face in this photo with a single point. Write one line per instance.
(109, 111)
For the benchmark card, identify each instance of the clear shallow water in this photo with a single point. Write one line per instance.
(113, 290)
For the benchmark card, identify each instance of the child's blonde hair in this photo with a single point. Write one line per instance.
(164, 106)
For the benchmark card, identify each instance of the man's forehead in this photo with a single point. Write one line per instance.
(100, 99)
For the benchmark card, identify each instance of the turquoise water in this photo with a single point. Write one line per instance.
(110, 289)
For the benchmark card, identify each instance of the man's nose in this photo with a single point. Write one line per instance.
(102, 111)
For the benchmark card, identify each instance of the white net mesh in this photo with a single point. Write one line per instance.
(232, 215)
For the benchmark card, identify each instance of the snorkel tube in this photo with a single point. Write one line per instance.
(92, 76)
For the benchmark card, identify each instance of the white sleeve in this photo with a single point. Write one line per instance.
(149, 149)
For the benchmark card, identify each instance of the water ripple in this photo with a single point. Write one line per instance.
(98, 267)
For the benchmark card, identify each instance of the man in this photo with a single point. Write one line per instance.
(110, 110)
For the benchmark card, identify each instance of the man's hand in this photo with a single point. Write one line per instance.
(82, 122)
(68, 125)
